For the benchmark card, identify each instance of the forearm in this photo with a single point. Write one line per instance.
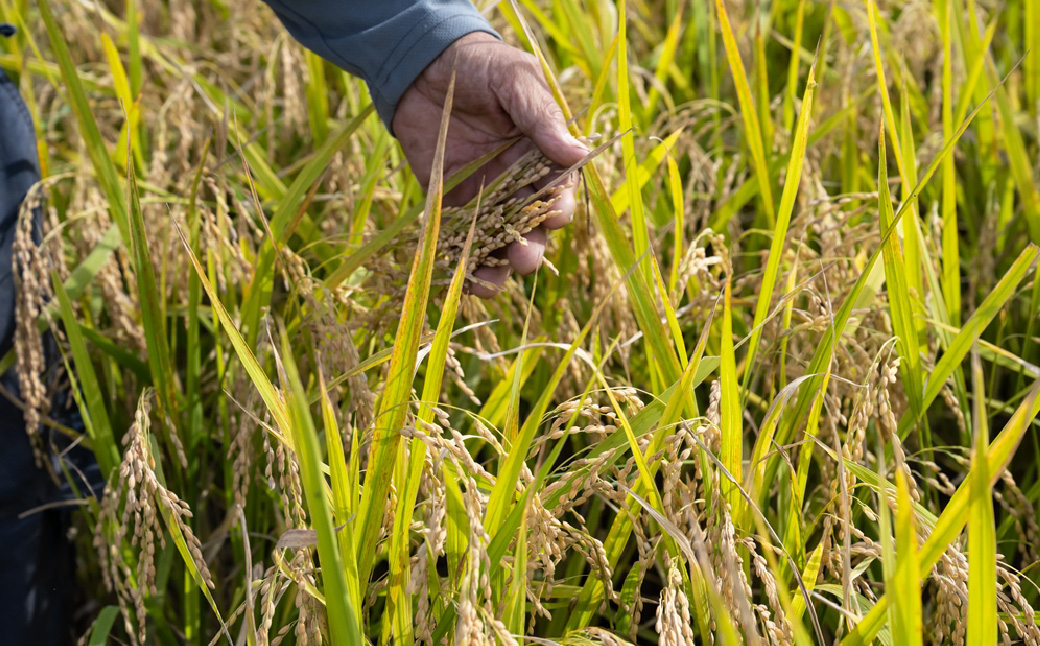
(387, 43)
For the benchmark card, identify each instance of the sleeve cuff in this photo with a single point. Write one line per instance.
(388, 43)
(416, 50)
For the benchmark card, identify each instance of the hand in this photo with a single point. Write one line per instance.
(499, 93)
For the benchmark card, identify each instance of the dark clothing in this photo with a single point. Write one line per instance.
(387, 43)
(19, 169)
(37, 575)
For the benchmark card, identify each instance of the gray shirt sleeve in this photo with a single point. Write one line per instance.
(387, 43)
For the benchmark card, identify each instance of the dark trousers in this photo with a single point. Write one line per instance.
(37, 573)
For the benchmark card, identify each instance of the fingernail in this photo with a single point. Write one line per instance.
(577, 143)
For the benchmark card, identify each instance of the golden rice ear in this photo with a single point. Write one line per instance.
(502, 218)
(32, 265)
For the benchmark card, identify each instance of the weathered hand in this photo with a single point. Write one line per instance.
(499, 93)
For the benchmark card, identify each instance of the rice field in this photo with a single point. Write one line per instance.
(776, 384)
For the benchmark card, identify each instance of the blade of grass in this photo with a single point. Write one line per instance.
(344, 499)
(911, 224)
(267, 391)
(898, 290)
(982, 536)
(555, 29)
(343, 629)
(765, 443)
(82, 277)
(153, 318)
(194, 380)
(669, 313)
(95, 143)
(731, 412)
(888, 555)
(409, 476)
(679, 229)
(129, 132)
(809, 576)
(393, 406)
(664, 63)
(975, 65)
(102, 626)
(748, 113)
(955, 515)
(783, 219)
(977, 52)
(1031, 67)
(259, 292)
(825, 348)
(973, 328)
(516, 597)
(938, 314)
(760, 70)
(882, 87)
(599, 89)
(646, 476)
(1022, 169)
(579, 28)
(95, 417)
(787, 110)
(317, 98)
(793, 538)
(644, 172)
(654, 331)
(640, 232)
(907, 627)
(496, 406)
(912, 265)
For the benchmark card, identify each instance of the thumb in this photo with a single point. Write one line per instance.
(526, 98)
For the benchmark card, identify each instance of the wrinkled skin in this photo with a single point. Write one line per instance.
(499, 93)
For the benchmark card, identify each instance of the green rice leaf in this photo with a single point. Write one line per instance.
(393, 406)
(982, 533)
(273, 400)
(102, 626)
(153, 318)
(732, 451)
(344, 500)
(409, 478)
(907, 626)
(77, 96)
(95, 417)
(972, 330)
(343, 627)
(898, 290)
(792, 179)
(748, 112)
(955, 515)
(640, 231)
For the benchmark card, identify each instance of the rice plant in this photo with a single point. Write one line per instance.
(776, 384)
